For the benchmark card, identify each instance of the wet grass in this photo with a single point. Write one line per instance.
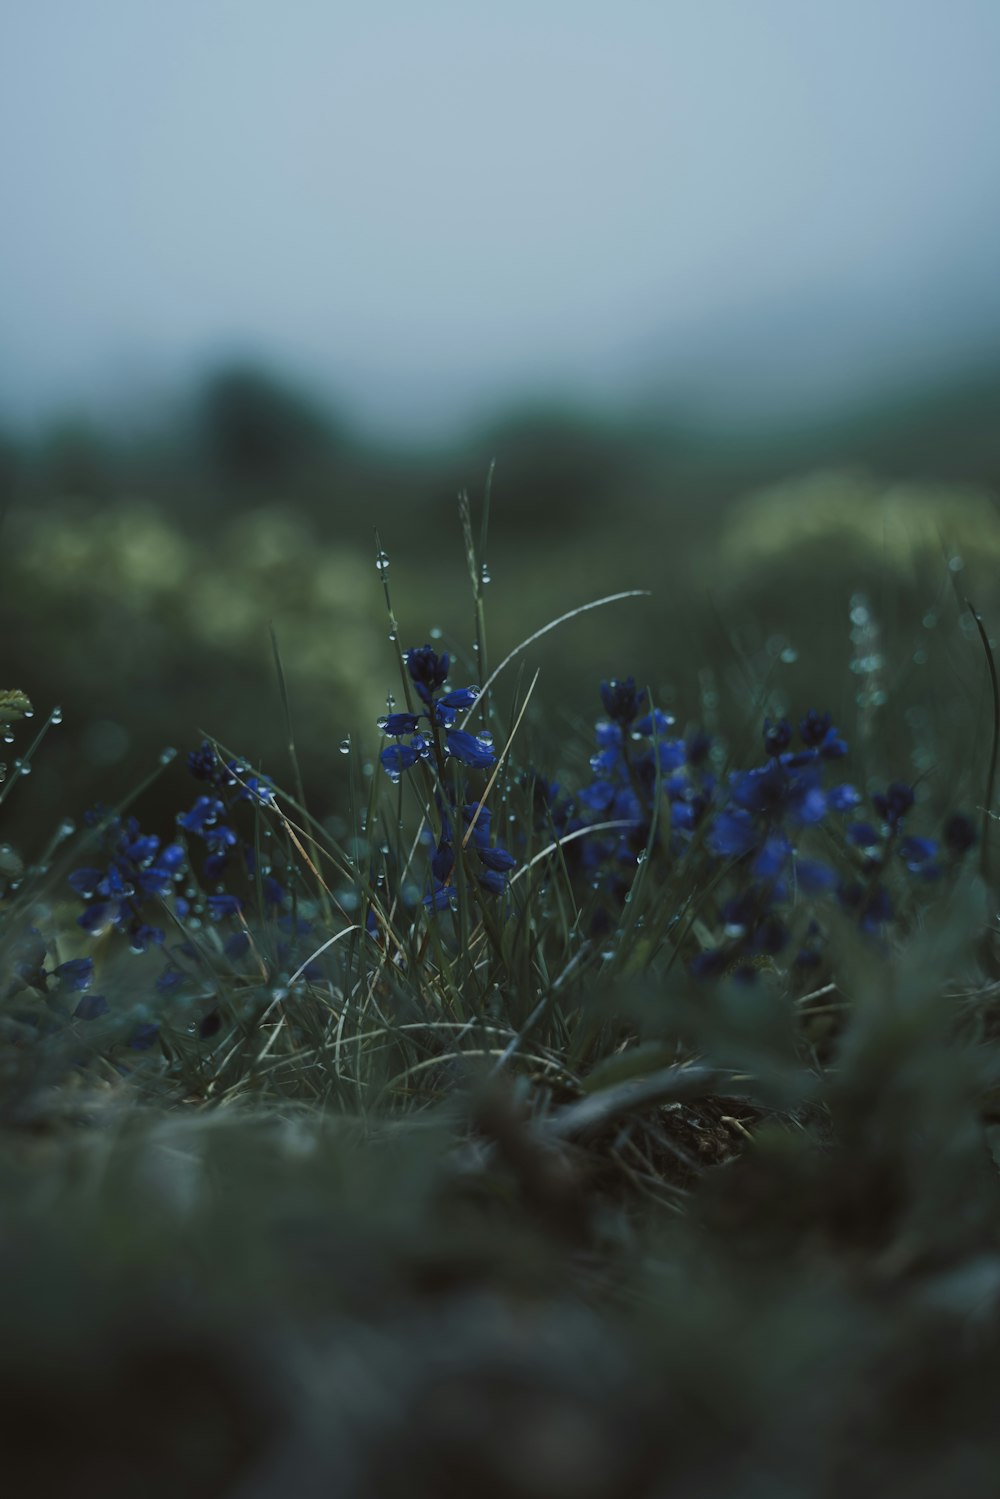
(506, 1198)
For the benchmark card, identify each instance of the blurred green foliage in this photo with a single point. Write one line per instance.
(144, 567)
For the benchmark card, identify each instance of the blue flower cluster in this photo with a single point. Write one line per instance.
(878, 844)
(765, 845)
(139, 876)
(495, 863)
(137, 869)
(210, 817)
(649, 794)
(429, 674)
(654, 794)
(57, 986)
(434, 744)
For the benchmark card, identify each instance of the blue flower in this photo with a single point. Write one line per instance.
(75, 974)
(496, 858)
(893, 805)
(820, 738)
(772, 857)
(428, 671)
(918, 855)
(137, 868)
(773, 792)
(205, 765)
(144, 1036)
(223, 905)
(399, 723)
(654, 723)
(733, 834)
(777, 737)
(203, 815)
(443, 861)
(475, 751)
(399, 757)
(145, 936)
(842, 798)
(462, 697)
(91, 1007)
(622, 702)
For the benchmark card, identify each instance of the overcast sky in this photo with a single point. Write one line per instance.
(430, 204)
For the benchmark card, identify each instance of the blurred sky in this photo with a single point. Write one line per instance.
(432, 204)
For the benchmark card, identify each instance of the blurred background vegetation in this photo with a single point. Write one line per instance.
(144, 568)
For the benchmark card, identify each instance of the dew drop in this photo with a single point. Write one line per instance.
(22, 767)
(393, 635)
(167, 755)
(345, 745)
(955, 565)
(436, 632)
(380, 723)
(8, 737)
(930, 619)
(29, 713)
(382, 563)
(789, 654)
(56, 716)
(390, 702)
(66, 828)
(485, 574)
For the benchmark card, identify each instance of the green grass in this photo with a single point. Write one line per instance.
(504, 1204)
